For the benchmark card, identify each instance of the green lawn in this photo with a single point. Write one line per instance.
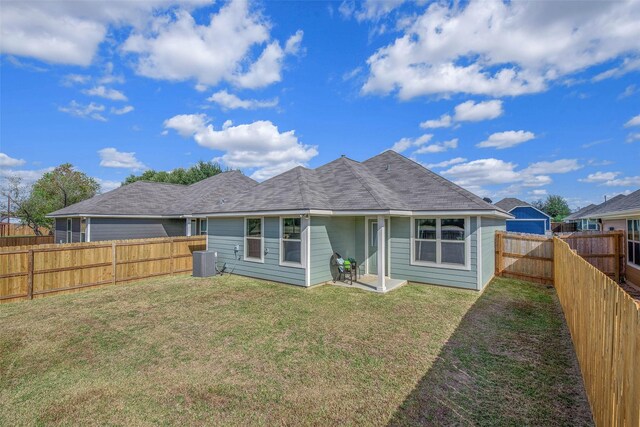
(237, 351)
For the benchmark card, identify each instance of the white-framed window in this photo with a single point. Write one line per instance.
(291, 241)
(633, 241)
(254, 239)
(83, 229)
(203, 225)
(441, 242)
(69, 230)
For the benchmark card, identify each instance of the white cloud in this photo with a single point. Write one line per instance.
(75, 79)
(106, 185)
(112, 158)
(218, 50)
(258, 145)
(229, 101)
(351, 74)
(493, 171)
(624, 182)
(91, 111)
(483, 172)
(610, 179)
(405, 143)
(510, 138)
(628, 65)
(446, 163)
(64, 32)
(500, 48)
(633, 121)
(556, 166)
(628, 91)
(633, 137)
(538, 192)
(105, 92)
(369, 10)
(470, 111)
(600, 177)
(27, 176)
(438, 147)
(124, 110)
(443, 122)
(9, 162)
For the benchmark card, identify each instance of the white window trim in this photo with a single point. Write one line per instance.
(83, 236)
(200, 222)
(244, 242)
(69, 233)
(281, 240)
(630, 263)
(438, 263)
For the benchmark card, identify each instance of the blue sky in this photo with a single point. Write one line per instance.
(507, 99)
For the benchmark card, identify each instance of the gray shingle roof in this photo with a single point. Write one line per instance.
(507, 204)
(161, 199)
(620, 203)
(578, 214)
(388, 181)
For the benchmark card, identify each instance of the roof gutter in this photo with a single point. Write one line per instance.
(323, 212)
(77, 215)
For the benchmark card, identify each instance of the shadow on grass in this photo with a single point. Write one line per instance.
(509, 362)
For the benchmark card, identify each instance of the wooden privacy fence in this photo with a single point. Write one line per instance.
(10, 229)
(34, 271)
(604, 250)
(530, 257)
(25, 240)
(604, 322)
(524, 257)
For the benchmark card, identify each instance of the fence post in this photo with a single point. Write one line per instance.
(113, 262)
(30, 277)
(498, 262)
(616, 267)
(171, 268)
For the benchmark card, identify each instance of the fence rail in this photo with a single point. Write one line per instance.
(530, 257)
(25, 240)
(28, 272)
(604, 322)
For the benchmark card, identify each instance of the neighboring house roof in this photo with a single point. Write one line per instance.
(388, 181)
(619, 203)
(619, 206)
(578, 214)
(510, 203)
(143, 198)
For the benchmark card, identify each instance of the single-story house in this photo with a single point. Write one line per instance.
(398, 220)
(582, 219)
(528, 219)
(623, 213)
(145, 209)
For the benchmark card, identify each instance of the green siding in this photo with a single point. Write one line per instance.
(225, 233)
(344, 235)
(489, 228)
(401, 268)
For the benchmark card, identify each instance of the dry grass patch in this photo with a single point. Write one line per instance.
(221, 351)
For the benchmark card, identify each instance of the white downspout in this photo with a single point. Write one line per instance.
(382, 248)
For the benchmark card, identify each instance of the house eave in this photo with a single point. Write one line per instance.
(78, 215)
(389, 212)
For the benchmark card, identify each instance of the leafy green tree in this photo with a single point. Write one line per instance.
(55, 190)
(556, 207)
(195, 173)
